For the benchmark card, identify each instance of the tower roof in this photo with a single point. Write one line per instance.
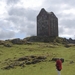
(49, 13)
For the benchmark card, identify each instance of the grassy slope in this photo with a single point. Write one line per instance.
(42, 68)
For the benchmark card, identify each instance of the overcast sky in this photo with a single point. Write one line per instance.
(18, 17)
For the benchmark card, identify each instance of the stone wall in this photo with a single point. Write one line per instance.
(53, 25)
(42, 24)
(47, 24)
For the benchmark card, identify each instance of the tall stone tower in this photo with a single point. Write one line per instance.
(47, 24)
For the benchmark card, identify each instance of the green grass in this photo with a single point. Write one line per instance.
(42, 68)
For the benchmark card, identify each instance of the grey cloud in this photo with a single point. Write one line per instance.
(68, 23)
(66, 32)
(29, 29)
(66, 26)
(6, 34)
(12, 1)
(69, 2)
(16, 11)
(61, 30)
(59, 2)
(58, 6)
(29, 14)
(15, 19)
(5, 30)
(24, 20)
(4, 24)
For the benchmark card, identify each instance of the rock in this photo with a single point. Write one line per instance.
(71, 62)
(23, 58)
(16, 41)
(7, 45)
(8, 67)
(27, 60)
(54, 59)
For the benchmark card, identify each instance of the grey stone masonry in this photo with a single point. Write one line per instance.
(47, 24)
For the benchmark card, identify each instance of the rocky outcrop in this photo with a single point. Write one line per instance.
(27, 60)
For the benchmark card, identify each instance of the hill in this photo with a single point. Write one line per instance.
(24, 59)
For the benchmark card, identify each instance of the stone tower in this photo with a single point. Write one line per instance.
(47, 24)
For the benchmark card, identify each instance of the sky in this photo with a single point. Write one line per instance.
(18, 17)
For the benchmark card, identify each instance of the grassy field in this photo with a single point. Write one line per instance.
(38, 49)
